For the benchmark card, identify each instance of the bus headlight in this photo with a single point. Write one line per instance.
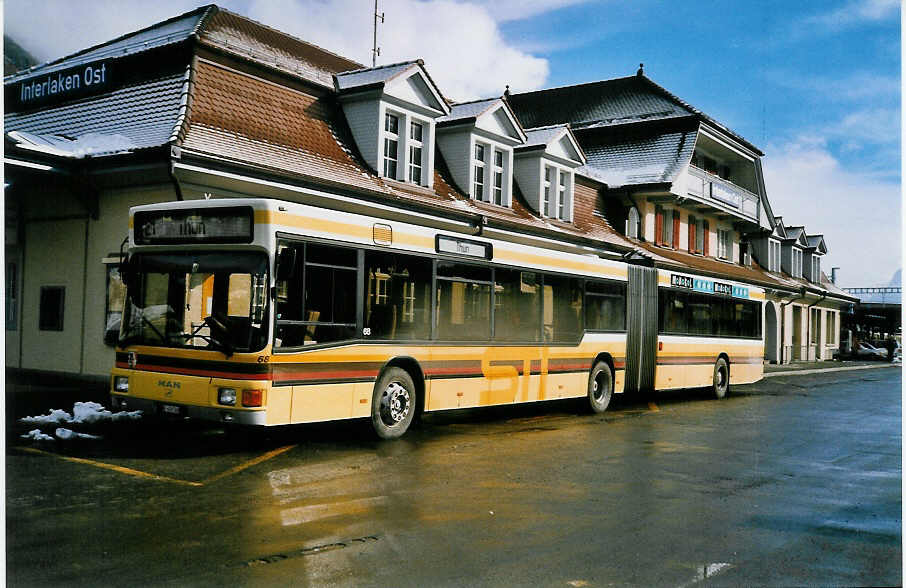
(121, 384)
(252, 397)
(226, 396)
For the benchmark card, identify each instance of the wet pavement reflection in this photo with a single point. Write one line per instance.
(789, 481)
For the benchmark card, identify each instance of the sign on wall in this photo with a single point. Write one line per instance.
(708, 286)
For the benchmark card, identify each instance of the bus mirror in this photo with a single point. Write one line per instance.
(286, 263)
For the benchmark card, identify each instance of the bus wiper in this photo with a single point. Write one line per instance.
(209, 339)
(220, 334)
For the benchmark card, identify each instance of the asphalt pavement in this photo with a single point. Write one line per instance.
(791, 481)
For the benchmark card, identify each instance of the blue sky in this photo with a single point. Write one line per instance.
(815, 84)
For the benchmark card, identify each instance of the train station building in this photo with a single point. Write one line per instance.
(210, 104)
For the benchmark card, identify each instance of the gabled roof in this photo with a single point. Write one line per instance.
(371, 76)
(547, 137)
(779, 228)
(817, 243)
(474, 111)
(382, 76)
(636, 157)
(797, 234)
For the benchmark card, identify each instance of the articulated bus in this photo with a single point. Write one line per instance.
(264, 312)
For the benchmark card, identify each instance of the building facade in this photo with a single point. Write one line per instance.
(210, 104)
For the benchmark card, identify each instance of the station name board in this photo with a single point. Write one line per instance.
(63, 85)
(708, 286)
(465, 247)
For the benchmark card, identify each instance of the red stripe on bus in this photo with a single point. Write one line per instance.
(193, 372)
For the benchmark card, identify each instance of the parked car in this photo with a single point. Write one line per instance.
(868, 351)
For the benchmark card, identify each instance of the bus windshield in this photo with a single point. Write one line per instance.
(209, 300)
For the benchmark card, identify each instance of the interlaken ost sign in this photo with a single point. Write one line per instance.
(62, 85)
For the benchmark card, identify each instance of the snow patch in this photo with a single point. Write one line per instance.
(83, 413)
(36, 435)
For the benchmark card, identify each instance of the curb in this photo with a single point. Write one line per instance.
(827, 370)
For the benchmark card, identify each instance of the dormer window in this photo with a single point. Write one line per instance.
(561, 197)
(773, 255)
(816, 268)
(391, 144)
(797, 263)
(478, 172)
(498, 177)
(391, 112)
(415, 152)
(546, 203)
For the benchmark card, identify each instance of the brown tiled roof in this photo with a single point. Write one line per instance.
(247, 120)
(248, 39)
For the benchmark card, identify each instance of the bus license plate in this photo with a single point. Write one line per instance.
(171, 409)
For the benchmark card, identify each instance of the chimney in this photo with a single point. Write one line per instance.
(834, 275)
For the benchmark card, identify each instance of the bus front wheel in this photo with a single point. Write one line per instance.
(721, 380)
(600, 387)
(393, 403)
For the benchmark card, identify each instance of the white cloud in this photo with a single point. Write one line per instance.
(461, 44)
(858, 214)
(49, 29)
(512, 10)
(857, 12)
(853, 88)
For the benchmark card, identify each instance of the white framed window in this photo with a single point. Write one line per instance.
(773, 255)
(391, 144)
(478, 173)
(561, 196)
(816, 268)
(797, 263)
(724, 244)
(416, 134)
(498, 177)
(549, 173)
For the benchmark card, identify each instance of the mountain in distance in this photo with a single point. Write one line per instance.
(897, 279)
(15, 58)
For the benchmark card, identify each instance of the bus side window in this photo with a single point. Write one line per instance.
(397, 296)
(316, 300)
(562, 309)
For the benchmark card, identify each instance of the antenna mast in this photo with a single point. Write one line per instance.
(375, 50)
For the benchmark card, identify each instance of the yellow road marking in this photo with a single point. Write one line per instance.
(115, 468)
(653, 407)
(248, 464)
(150, 476)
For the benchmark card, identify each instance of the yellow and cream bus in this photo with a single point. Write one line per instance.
(264, 312)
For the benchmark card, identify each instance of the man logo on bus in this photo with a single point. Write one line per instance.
(132, 358)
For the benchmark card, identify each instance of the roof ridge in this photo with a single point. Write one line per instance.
(377, 67)
(475, 101)
(25, 72)
(565, 86)
(545, 127)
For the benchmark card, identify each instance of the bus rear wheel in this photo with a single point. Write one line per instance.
(600, 387)
(721, 380)
(393, 403)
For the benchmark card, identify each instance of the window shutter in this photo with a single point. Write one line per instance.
(676, 223)
(658, 226)
(705, 234)
(691, 225)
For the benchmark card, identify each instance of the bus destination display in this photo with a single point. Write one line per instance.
(212, 225)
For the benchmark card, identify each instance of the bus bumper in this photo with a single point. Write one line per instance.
(205, 413)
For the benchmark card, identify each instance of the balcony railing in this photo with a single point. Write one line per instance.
(711, 187)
